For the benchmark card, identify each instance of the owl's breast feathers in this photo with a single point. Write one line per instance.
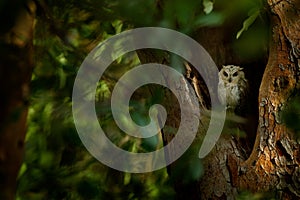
(233, 95)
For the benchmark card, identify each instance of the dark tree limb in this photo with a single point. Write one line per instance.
(15, 74)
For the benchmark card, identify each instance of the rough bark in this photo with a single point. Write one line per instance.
(15, 74)
(274, 161)
(275, 157)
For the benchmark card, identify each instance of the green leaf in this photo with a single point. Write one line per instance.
(212, 19)
(127, 178)
(62, 78)
(47, 158)
(208, 6)
(248, 22)
(22, 170)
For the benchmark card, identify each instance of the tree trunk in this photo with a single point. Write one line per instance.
(275, 157)
(15, 74)
(273, 163)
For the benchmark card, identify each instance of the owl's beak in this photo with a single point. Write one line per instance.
(229, 80)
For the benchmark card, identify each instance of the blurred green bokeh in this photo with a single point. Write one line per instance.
(291, 115)
(57, 165)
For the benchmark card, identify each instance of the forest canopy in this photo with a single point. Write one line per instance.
(56, 164)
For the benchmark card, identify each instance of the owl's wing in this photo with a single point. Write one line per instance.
(241, 108)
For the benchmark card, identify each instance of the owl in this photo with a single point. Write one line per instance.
(233, 88)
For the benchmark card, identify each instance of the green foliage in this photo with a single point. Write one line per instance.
(253, 43)
(57, 165)
(291, 115)
(248, 22)
(139, 13)
(208, 6)
(246, 195)
(210, 20)
(188, 168)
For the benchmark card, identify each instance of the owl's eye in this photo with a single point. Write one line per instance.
(235, 74)
(225, 74)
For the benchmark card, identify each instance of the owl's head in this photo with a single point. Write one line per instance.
(231, 74)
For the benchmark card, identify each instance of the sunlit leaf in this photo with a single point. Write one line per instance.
(22, 170)
(248, 22)
(208, 6)
(127, 178)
